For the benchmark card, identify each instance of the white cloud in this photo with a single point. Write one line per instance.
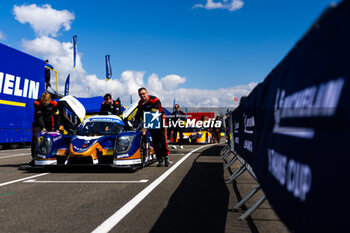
(43, 19)
(2, 35)
(166, 88)
(223, 97)
(167, 83)
(235, 5)
(210, 5)
(46, 46)
(132, 81)
(231, 5)
(171, 82)
(60, 55)
(154, 82)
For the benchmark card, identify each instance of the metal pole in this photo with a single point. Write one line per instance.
(253, 208)
(247, 197)
(56, 80)
(224, 150)
(231, 162)
(226, 154)
(236, 174)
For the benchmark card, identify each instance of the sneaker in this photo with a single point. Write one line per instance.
(181, 147)
(173, 146)
(167, 162)
(159, 163)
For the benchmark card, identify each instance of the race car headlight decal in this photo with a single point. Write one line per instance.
(124, 143)
(45, 146)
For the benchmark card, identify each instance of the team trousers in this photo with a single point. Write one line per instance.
(180, 130)
(160, 143)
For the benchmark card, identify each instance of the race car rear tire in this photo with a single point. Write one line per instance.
(133, 168)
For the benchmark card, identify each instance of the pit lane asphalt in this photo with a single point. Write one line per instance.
(29, 206)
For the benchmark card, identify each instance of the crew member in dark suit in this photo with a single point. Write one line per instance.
(177, 116)
(110, 107)
(48, 69)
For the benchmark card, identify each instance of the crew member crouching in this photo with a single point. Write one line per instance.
(46, 118)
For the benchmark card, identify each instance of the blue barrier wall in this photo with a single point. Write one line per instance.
(294, 127)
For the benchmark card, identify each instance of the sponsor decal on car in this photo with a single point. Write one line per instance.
(122, 156)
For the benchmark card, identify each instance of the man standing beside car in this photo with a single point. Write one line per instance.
(48, 69)
(177, 116)
(46, 118)
(217, 129)
(110, 107)
(148, 103)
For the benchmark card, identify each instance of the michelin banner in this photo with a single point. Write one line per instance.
(22, 81)
(294, 128)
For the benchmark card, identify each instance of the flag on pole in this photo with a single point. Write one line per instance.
(108, 68)
(66, 86)
(74, 50)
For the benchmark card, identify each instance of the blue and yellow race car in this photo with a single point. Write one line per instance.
(195, 135)
(99, 140)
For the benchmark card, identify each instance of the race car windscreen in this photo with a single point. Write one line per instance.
(192, 129)
(100, 128)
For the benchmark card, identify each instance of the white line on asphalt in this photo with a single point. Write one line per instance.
(112, 221)
(14, 150)
(85, 181)
(19, 180)
(10, 156)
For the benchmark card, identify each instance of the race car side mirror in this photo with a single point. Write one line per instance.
(129, 124)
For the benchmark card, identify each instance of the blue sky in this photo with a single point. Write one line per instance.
(206, 49)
